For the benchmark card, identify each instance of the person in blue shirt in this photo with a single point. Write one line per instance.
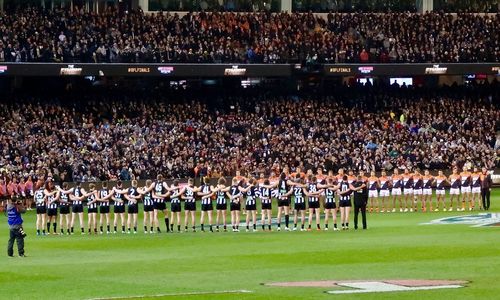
(14, 211)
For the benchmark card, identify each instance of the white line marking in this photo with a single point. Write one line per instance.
(377, 287)
(173, 294)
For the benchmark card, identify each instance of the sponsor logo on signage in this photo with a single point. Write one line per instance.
(70, 70)
(3, 69)
(365, 70)
(340, 70)
(166, 70)
(436, 69)
(234, 71)
(139, 70)
(484, 219)
(376, 286)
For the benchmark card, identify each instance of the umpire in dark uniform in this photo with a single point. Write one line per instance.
(486, 184)
(14, 211)
(360, 201)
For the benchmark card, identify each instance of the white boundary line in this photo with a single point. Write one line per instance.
(172, 294)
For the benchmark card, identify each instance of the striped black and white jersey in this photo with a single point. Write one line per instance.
(234, 192)
(282, 188)
(175, 191)
(159, 189)
(119, 197)
(312, 188)
(189, 194)
(91, 198)
(103, 194)
(344, 186)
(298, 194)
(265, 195)
(51, 204)
(148, 199)
(77, 192)
(205, 189)
(329, 196)
(63, 199)
(252, 193)
(220, 197)
(132, 191)
(39, 198)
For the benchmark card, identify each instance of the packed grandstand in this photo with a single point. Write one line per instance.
(79, 36)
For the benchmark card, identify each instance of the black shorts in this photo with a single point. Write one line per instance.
(235, 206)
(51, 212)
(148, 208)
(64, 209)
(207, 207)
(41, 210)
(300, 206)
(330, 205)
(313, 205)
(78, 208)
(250, 207)
(190, 206)
(345, 203)
(267, 206)
(175, 207)
(160, 205)
(104, 209)
(92, 210)
(283, 202)
(120, 209)
(219, 206)
(132, 209)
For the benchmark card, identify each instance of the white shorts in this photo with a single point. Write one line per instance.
(454, 191)
(408, 191)
(476, 190)
(427, 192)
(465, 189)
(417, 191)
(385, 193)
(396, 192)
(440, 192)
(372, 194)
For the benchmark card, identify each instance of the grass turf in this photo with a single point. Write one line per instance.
(394, 247)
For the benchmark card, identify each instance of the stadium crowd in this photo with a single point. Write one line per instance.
(33, 35)
(128, 135)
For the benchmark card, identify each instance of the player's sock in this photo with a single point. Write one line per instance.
(114, 228)
(185, 227)
(38, 231)
(172, 227)
(135, 228)
(167, 223)
(72, 230)
(254, 226)
(62, 231)
(309, 226)
(146, 228)
(48, 227)
(95, 230)
(317, 226)
(194, 228)
(202, 227)
(89, 229)
(287, 220)
(107, 227)
(83, 230)
(158, 229)
(43, 232)
(263, 227)
(326, 225)
(123, 228)
(151, 228)
(225, 227)
(248, 227)
(302, 226)
(179, 228)
(100, 228)
(269, 226)
(279, 225)
(217, 227)
(67, 230)
(54, 225)
(347, 225)
(211, 229)
(237, 227)
(334, 225)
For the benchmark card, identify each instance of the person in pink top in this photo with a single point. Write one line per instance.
(28, 188)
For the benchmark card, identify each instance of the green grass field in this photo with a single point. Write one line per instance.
(394, 247)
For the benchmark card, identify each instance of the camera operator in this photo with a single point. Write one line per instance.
(14, 210)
